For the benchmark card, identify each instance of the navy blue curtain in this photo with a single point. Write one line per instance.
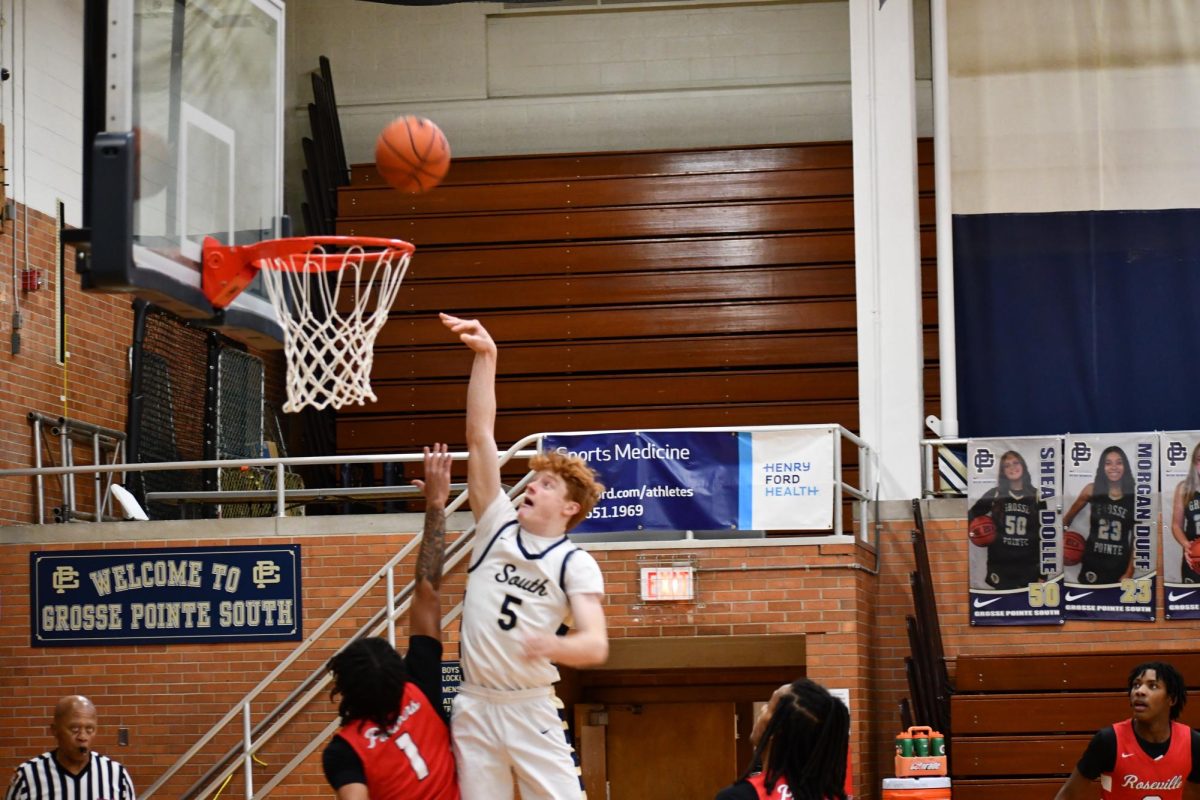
(1078, 322)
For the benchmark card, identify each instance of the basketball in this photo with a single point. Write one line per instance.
(982, 531)
(412, 154)
(1193, 551)
(1073, 544)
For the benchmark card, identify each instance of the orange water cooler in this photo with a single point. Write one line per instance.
(916, 788)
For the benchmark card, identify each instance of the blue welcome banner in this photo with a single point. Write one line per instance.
(165, 596)
(779, 479)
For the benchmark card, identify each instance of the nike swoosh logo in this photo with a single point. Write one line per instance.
(1079, 596)
(1173, 597)
(1126, 755)
(980, 603)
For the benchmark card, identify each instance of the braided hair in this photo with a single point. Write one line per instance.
(1171, 680)
(369, 676)
(804, 744)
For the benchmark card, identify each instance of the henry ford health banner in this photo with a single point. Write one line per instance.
(707, 480)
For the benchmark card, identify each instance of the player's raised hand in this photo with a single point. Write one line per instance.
(471, 332)
(436, 486)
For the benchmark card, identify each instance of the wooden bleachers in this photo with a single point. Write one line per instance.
(652, 289)
(1021, 722)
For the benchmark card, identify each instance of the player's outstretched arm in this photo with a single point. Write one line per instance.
(587, 643)
(483, 468)
(1077, 787)
(425, 615)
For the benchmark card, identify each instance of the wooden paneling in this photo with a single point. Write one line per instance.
(721, 252)
(361, 203)
(717, 252)
(517, 169)
(1018, 755)
(610, 223)
(626, 290)
(1085, 712)
(686, 353)
(631, 288)
(393, 432)
(1083, 672)
(650, 320)
(1034, 715)
(1008, 789)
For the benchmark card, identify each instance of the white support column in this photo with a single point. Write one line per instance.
(887, 243)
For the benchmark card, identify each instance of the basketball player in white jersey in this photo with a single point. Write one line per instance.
(526, 579)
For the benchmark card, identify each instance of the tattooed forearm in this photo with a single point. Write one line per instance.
(433, 546)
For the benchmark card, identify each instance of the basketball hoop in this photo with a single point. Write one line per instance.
(329, 326)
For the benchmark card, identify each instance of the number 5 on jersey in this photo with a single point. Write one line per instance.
(508, 616)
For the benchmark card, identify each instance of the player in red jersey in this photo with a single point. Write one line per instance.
(1150, 756)
(394, 743)
(801, 743)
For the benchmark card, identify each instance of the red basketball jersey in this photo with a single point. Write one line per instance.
(1136, 776)
(412, 761)
(781, 790)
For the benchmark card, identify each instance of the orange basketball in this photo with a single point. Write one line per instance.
(1073, 546)
(412, 154)
(982, 531)
(1194, 550)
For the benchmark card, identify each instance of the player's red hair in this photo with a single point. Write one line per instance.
(582, 486)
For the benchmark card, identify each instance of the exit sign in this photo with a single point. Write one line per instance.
(668, 583)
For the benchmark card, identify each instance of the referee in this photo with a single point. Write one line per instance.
(72, 771)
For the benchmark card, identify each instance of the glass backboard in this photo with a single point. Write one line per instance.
(193, 103)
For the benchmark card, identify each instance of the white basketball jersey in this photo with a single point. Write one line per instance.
(518, 584)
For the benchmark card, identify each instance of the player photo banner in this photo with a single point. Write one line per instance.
(1110, 536)
(1013, 565)
(707, 480)
(1180, 471)
(165, 596)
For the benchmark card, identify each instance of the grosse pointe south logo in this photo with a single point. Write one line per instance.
(984, 460)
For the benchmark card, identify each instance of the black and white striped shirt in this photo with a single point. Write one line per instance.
(42, 778)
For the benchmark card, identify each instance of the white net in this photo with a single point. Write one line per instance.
(330, 320)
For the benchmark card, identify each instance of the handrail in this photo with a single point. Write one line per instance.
(277, 464)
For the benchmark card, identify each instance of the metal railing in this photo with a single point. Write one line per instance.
(103, 441)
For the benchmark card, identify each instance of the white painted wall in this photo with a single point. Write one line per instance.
(41, 105)
(578, 80)
(497, 81)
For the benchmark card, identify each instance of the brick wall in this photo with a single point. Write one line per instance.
(853, 622)
(169, 696)
(91, 386)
